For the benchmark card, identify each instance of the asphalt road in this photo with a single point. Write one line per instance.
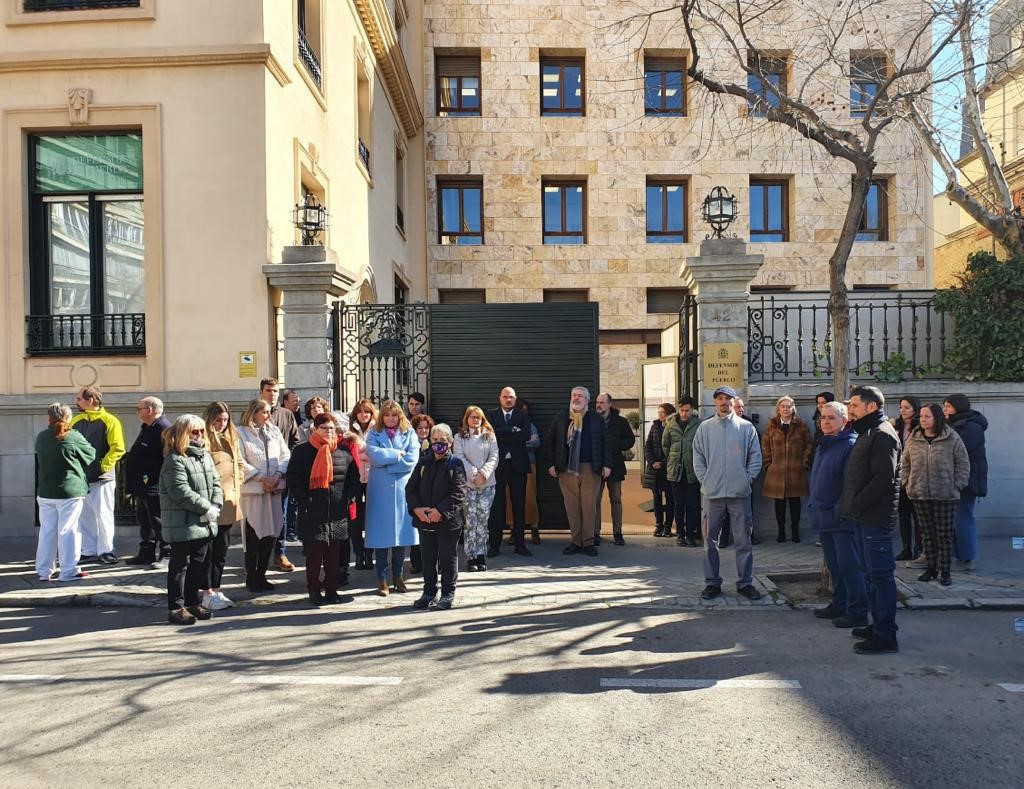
(481, 697)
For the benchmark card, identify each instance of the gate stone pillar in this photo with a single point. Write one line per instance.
(719, 278)
(310, 280)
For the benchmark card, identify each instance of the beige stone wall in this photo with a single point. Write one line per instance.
(615, 147)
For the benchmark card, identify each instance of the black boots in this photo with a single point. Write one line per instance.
(782, 533)
(795, 528)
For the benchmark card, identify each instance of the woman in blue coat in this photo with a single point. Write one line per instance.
(393, 450)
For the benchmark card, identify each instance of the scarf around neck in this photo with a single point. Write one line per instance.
(323, 466)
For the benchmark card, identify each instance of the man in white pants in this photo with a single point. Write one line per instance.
(102, 430)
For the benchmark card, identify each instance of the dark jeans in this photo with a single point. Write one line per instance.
(439, 550)
(219, 555)
(506, 474)
(147, 513)
(257, 555)
(187, 571)
(843, 557)
(381, 560)
(686, 500)
(910, 540)
(663, 511)
(966, 528)
(879, 569)
(322, 554)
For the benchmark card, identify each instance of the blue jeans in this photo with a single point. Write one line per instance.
(380, 556)
(966, 528)
(879, 569)
(842, 555)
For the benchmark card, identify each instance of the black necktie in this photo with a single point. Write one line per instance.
(508, 417)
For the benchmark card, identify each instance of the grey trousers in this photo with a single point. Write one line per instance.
(714, 512)
(614, 488)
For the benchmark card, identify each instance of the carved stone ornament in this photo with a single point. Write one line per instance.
(78, 105)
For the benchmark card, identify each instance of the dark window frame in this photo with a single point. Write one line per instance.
(557, 237)
(862, 80)
(566, 295)
(768, 65)
(460, 111)
(663, 233)
(657, 298)
(881, 232)
(666, 65)
(461, 186)
(783, 230)
(562, 111)
(461, 296)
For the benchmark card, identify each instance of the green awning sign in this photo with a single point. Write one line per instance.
(88, 163)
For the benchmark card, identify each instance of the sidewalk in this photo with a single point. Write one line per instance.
(647, 572)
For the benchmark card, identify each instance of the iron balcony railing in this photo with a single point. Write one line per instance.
(64, 335)
(77, 5)
(400, 217)
(364, 154)
(310, 60)
(891, 335)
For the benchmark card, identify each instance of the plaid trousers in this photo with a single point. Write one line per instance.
(935, 520)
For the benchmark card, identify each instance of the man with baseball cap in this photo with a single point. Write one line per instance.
(726, 459)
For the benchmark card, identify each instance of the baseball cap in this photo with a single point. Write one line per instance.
(728, 391)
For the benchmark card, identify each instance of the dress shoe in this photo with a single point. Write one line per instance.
(423, 601)
(945, 580)
(535, 536)
(862, 632)
(199, 612)
(876, 645)
(710, 592)
(400, 586)
(928, 575)
(522, 550)
(590, 550)
(618, 540)
(749, 592)
(283, 564)
(446, 601)
(570, 549)
(331, 598)
(828, 612)
(316, 598)
(382, 587)
(782, 536)
(181, 617)
(691, 543)
(848, 622)
(109, 558)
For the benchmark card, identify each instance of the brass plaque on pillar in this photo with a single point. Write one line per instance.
(723, 364)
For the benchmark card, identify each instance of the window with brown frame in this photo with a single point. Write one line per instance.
(666, 211)
(769, 210)
(567, 294)
(457, 85)
(874, 219)
(460, 212)
(665, 301)
(461, 296)
(565, 212)
(562, 90)
(867, 74)
(766, 79)
(664, 86)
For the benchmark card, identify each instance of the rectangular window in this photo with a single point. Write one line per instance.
(401, 291)
(458, 85)
(664, 86)
(574, 295)
(87, 244)
(308, 27)
(1018, 129)
(561, 87)
(364, 128)
(874, 220)
(565, 212)
(767, 81)
(867, 73)
(664, 301)
(400, 189)
(769, 210)
(666, 212)
(77, 5)
(461, 296)
(460, 212)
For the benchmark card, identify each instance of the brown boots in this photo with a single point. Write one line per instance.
(382, 587)
(400, 585)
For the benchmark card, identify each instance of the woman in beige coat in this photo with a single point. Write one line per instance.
(264, 459)
(786, 453)
(227, 459)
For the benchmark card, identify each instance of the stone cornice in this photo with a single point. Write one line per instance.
(78, 60)
(381, 32)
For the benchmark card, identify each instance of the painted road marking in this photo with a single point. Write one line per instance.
(613, 682)
(293, 679)
(1012, 687)
(30, 677)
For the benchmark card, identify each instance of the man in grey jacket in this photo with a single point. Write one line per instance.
(726, 459)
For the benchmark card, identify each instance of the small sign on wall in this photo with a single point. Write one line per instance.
(247, 364)
(723, 364)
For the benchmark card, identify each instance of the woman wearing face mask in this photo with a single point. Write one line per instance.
(935, 469)
(393, 450)
(436, 497)
(360, 422)
(477, 448)
(265, 458)
(222, 440)
(904, 425)
(786, 452)
(190, 504)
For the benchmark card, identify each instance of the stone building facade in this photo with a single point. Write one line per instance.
(597, 131)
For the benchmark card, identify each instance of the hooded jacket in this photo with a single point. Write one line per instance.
(935, 470)
(103, 430)
(189, 485)
(677, 446)
(971, 427)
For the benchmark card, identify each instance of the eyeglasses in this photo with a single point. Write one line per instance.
(197, 432)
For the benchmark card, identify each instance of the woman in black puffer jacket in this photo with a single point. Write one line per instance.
(324, 479)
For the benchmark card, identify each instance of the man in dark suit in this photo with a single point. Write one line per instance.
(512, 429)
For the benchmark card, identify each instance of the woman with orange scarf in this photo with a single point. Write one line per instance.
(323, 476)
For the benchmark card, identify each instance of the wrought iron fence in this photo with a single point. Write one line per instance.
(383, 352)
(48, 335)
(77, 5)
(310, 60)
(790, 336)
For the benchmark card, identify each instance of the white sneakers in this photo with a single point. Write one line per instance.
(216, 601)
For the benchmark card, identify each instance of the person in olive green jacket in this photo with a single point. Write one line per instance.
(190, 501)
(62, 456)
(677, 442)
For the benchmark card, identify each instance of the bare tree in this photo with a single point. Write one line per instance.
(730, 48)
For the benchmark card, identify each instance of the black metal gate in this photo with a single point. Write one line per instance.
(689, 371)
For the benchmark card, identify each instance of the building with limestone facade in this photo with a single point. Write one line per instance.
(567, 158)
